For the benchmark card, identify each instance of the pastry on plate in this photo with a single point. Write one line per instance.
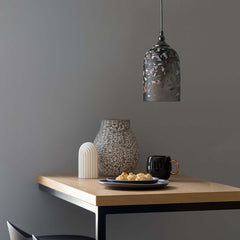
(122, 177)
(140, 177)
(132, 177)
(148, 176)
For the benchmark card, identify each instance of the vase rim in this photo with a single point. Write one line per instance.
(116, 120)
(116, 124)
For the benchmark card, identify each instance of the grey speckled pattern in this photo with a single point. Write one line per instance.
(117, 148)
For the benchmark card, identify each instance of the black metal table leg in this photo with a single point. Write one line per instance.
(100, 223)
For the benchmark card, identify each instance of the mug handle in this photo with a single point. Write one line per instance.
(177, 171)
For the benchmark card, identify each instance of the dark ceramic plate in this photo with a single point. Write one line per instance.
(161, 183)
(134, 182)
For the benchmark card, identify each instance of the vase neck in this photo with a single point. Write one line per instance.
(115, 124)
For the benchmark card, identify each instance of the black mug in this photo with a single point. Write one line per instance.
(161, 166)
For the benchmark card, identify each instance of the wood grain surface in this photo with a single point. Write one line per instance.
(181, 189)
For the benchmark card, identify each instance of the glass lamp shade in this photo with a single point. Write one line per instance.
(161, 74)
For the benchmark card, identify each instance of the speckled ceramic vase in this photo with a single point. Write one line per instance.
(117, 148)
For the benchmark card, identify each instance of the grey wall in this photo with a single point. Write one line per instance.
(67, 64)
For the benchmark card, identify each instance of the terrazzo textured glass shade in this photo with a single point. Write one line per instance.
(161, 74)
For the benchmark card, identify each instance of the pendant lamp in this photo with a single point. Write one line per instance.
(161, 71)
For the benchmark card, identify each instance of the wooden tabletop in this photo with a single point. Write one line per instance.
(181, 189)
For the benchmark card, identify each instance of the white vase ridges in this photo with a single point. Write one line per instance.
(88, 161)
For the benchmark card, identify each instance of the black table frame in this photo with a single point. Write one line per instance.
(102, 211)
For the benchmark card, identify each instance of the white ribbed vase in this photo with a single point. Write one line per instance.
(88, 161)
